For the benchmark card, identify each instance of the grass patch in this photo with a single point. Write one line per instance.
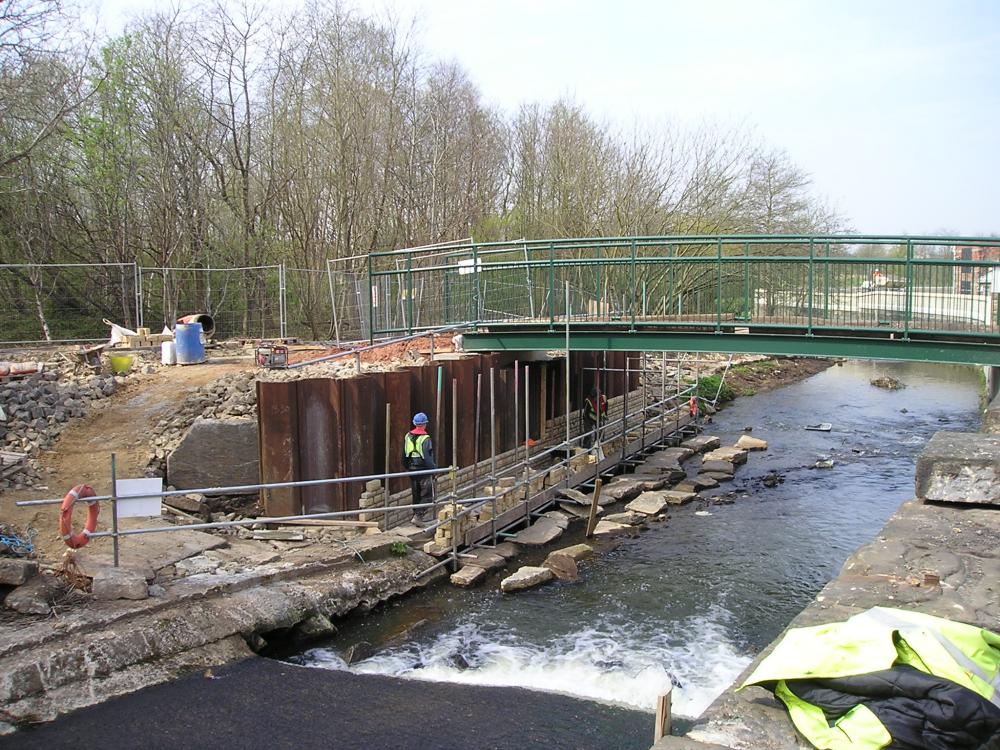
(708, 387)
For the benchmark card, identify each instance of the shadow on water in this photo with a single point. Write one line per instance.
(690, 602)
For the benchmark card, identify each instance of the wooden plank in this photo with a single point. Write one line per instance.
(663, 708)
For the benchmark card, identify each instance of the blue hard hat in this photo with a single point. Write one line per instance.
(419, 418)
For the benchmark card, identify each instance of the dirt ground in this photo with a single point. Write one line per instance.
(82, 454)
(758, 377)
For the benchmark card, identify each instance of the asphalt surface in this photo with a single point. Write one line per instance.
(270, 705)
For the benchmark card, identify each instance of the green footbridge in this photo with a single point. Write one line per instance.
(929, 299)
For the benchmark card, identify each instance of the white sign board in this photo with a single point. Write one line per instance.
(472, 265)
(134, 500)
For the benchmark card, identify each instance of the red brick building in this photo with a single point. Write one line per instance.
(977, 279)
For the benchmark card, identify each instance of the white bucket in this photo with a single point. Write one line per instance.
(168, 353)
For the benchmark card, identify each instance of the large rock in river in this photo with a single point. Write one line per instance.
(216, 453)
(526, 578)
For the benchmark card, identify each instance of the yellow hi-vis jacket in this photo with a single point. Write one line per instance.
(868, 643)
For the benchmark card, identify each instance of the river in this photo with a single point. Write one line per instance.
(692, 600)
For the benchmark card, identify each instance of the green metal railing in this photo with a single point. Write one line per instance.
(822, 284)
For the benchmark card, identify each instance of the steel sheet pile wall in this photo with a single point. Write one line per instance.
(321, 428)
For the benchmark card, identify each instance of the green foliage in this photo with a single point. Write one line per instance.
(709, 385)
(399, 549)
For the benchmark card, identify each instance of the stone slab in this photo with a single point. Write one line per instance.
(575, 496)
(484, 558)
(507, 550)
(468, 575)
(718, 476)
(577, 551)
(216, 453)
(154, 550)
(118, 583)
(563, 566)
(748, 443)
(608, 528)
(578, 510)
(540, 533)
(717, 465)
(960, 467)
(648, 503)
(526, 577)
(702, 443)
(631, 518)
(736, 456)
(677, 497)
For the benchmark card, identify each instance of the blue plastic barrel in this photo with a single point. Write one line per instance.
(190, 350)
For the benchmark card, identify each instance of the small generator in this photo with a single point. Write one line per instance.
(272, 355)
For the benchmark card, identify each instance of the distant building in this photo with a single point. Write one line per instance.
(977, 279)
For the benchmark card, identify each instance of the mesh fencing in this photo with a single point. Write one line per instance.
(245, 302)
(65, 303)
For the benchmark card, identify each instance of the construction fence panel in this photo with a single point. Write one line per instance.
(243, 301)
(63, 303)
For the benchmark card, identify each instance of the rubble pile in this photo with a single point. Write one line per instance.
(37, 409)
(234, 396)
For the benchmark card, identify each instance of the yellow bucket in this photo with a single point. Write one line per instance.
(120, 363)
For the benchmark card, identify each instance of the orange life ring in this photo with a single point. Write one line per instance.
(80, 492)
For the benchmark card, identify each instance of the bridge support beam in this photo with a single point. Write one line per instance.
(782, 345)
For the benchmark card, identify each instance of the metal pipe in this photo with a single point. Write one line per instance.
(388, 449)
(493, 455)
(493, 429)
(240, 488)
(333, 304)
(475, 458)
(567, 367)
(114, 505)
(454, 463)
(280, 519)
(527, 431)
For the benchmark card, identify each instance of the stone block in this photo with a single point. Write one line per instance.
(36, 596)
(193, 503)
(960, 467)
(724, 467)
(562, 566)
(609, 528)
(577, 551)
(14, 571)
(702, 443)
(374, 485)
(119, 583)
(748, 443)
(736, 456)
(468, 575)
(216, 453)
(526, 577)
(648, 503)
(630, 518)
(541, 532)
(676, 497)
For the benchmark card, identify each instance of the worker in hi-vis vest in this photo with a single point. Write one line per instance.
(418, 454)
(595, 410)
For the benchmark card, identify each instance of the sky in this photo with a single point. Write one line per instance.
(892, 107)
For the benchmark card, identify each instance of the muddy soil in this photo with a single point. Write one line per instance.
(119, 425)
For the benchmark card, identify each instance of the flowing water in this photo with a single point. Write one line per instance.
(691, 601)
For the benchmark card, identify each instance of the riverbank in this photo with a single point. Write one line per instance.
(937, 558)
